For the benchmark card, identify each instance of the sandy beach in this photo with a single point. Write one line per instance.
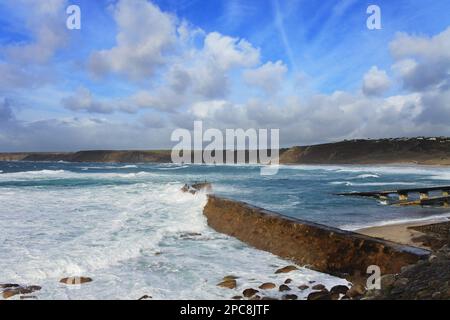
(406, 233)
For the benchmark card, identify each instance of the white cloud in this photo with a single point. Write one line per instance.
(422, 62)
(228, 52)
(145, 35)
(268, 77)
(375, 82)
(46, 22)
(83, 100)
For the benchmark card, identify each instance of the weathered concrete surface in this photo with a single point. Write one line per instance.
(322, 248)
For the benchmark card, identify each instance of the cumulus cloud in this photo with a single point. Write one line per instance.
(26, 64)
(422, 62)
(228, 52)
(46, 22)
(145, 34)
(268, 77)
(193, 76)
(375, 82)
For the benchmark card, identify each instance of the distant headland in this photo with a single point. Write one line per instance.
(419, 150)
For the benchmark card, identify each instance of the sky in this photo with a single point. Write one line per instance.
(139, 69)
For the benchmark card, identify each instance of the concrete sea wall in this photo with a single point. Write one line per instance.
(318, 247)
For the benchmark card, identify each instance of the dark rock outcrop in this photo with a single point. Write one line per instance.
(426, 280)
(196, 187)
(12, 291)
(322, 248)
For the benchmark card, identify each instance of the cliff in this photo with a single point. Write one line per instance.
(427, 151)
(431, 151)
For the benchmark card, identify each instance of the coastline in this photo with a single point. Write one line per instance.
(412, 233)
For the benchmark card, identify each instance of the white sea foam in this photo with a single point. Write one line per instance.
(62, 174)
(374, 184)
(365, 176)
(112, 235)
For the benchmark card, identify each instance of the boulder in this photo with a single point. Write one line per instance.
(340, 289)
(284, 287)
(230, 284)
(237, 298)
(267, 286)
(289, 297)
(248, 293)
(230, 277)
(303, 287)
(145, 297)
(287, 281)
(75, 280)
(318, 287)
(356, 291)
(8, 285)
(8, 293)
(319, 295)
(286, 269)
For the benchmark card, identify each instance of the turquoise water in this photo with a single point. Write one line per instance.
(130, 228)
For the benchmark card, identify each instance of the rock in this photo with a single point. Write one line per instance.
(287, 281)
(8, 293)
(268, 298)
(311, 281)
(289, 297)
(267, 286)
(400, 284)
(339, 289)
(249, 292)
(202, 186)
(387, 281)
(284, 287)
(8, 285)
(335, 296)
(75, 280)
(237, 298)
(196, 187)
(407, 268)
(303, 287)
(190, 235)
(256, 297)
(27, 297)
(230, 284)
(286, 269)
(355, 291)
(230, 278)
(319, 295)
(145, 297)
(318, 287)
(436, 296)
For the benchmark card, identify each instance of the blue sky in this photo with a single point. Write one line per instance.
(139, 69)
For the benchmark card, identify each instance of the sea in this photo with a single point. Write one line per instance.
(131, 229)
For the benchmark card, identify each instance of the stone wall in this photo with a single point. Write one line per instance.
(319, 247)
